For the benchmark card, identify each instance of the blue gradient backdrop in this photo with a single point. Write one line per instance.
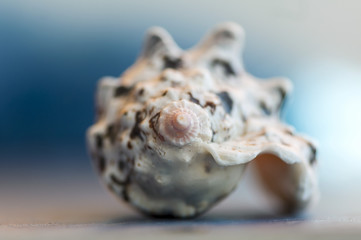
(53, 52)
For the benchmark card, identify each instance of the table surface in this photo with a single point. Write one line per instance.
(66, 205)
(210, 227)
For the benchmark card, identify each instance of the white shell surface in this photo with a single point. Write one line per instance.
(175, 131)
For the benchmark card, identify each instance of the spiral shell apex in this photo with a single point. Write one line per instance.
(182, 122)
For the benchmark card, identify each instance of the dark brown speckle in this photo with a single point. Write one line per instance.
(129, 145)
(136, 131)
(212, 106)
(101, 164)
(227, 101)
(192, 99)
(116, 180)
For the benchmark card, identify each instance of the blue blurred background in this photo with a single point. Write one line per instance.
(53, 52)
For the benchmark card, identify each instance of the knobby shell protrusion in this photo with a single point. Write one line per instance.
(181, 122)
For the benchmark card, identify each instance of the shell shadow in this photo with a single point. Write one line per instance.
(206, 220)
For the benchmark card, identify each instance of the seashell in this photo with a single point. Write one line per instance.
(180, 122)
(175, 133)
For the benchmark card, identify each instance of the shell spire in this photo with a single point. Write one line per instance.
(182, 122)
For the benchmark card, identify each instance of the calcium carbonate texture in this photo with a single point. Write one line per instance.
(175, 132)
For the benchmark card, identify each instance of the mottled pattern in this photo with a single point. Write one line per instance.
(240, 123)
